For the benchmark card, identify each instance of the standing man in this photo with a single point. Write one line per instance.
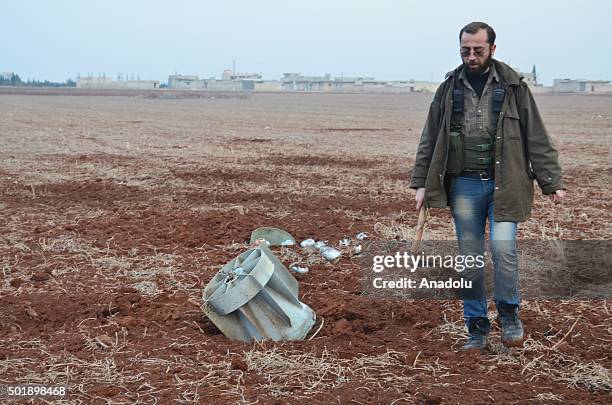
(482, 146)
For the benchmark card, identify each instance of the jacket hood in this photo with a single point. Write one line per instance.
(507, 74)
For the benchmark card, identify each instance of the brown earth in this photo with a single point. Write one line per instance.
(116, 212)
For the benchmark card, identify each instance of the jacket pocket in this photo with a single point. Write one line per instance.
(512, 126)
(455, 153)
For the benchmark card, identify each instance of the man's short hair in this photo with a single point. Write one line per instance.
(476, 26)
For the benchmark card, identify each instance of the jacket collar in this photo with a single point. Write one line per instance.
(492, 75)
(504, 73)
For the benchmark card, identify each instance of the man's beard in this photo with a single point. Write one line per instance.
(477, 68)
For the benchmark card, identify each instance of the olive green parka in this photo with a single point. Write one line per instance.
(523, 150)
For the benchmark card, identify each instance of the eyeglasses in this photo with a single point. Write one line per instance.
(478, 51)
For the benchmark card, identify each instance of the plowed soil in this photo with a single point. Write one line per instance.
(116, 211)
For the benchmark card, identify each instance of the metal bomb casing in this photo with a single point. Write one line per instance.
(254, 297)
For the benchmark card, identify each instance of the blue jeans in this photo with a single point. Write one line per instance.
(471, 202)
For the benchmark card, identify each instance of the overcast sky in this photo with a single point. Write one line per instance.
(401, 39)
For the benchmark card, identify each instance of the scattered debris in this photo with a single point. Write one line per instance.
(307, 243)
(320, 244)
(298, 269)
(330, 253)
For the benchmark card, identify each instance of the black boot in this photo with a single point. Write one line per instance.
(478, 330)
(511, 326)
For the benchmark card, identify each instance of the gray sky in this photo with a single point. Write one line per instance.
(386, 39)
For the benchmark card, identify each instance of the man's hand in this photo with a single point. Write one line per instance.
(419, 198)
(557, 196)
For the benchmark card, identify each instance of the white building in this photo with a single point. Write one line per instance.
(185, 82)
(102, 82)
(581, 86)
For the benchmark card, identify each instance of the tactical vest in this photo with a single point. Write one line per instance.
(472, 153)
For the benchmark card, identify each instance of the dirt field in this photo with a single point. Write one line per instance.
(116, 211)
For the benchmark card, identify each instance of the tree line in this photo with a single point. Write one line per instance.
(15, 80)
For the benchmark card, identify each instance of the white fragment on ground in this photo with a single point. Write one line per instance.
(330, 253)
(307, 243)
(320, 244)
(362, 236)
(299, 270)
(288, 242)
(357, 249)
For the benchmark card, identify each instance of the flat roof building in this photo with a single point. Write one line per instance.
(581, 86)
(185, 82)
(108, 83)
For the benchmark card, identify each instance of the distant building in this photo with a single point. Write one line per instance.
(581, 86)
(107, 83)
(423, 87)
(228, 82)
(94, 82)
(185, 82)
(229, 74)
(137, 84)
(230, 85)
(232, 81)
(298, 82)
(596, 86)
(269, 85)
(565, 86)
(358, 84)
